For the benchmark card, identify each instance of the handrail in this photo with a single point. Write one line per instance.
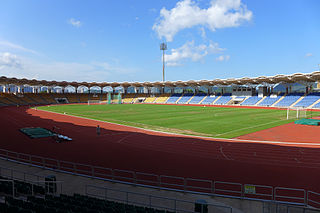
(185, 186)
(175, 207)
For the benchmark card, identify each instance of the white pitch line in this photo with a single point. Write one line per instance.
(192, 136)
(235, 130)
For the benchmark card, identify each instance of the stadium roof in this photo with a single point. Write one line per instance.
(297, 77)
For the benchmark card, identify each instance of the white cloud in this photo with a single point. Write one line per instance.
(187, 14)
(190, 51)
(8, 60)
(23, 67)
(308, 55)
(223, 58)
(6, 45)
(75, 23)
(203, 33)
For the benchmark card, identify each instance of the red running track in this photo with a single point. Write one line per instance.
(121, 147)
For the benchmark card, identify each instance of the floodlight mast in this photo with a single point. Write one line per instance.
(163, 47)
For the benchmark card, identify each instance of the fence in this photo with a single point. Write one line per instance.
(147, 200)
(180, 184)
(33, 179)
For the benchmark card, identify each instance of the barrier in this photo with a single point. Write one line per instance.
(33, 179)
(258, 192)
(199, 185)
(313, 199)
(145, 178)
(228, 188)
(216, 188)
(124, 175)
(152, 201)
(172, 182)
(290, 195)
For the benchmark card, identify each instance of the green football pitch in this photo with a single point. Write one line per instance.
(219, 122)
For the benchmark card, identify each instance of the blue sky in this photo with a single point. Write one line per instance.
(119, 40)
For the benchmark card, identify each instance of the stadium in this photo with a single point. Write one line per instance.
(171, 106)
(252, 139)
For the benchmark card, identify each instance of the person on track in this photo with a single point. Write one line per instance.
(98, 130)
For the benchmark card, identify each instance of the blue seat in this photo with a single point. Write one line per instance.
(185, 98)
(174, 97)
(268, 101)
(197, 98)
(308, 100)
(251, 101)
(224, 99)
(209, 99)
(289, 99)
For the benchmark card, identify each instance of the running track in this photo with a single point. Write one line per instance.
(121, 147)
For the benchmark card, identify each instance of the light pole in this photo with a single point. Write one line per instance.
(163, 47)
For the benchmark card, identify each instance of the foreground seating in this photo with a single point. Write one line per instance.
(69, 204)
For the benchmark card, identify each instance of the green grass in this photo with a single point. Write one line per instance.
(191, 120)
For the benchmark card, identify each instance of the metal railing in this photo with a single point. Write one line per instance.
(151, 201)
(179, 184)
(13, 174)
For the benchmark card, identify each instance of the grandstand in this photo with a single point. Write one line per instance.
(223, 95)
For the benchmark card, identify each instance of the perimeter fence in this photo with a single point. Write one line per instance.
(277, 194)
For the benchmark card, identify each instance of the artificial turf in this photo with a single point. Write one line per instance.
(220, 122)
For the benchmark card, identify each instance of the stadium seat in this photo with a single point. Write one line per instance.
(289, 99)
(269, 100)
(253, 100)
(224, 99)
(162, 98)
(209, 99)
(174, 98)
(185, 98)
(308, 100)
(197, 98)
